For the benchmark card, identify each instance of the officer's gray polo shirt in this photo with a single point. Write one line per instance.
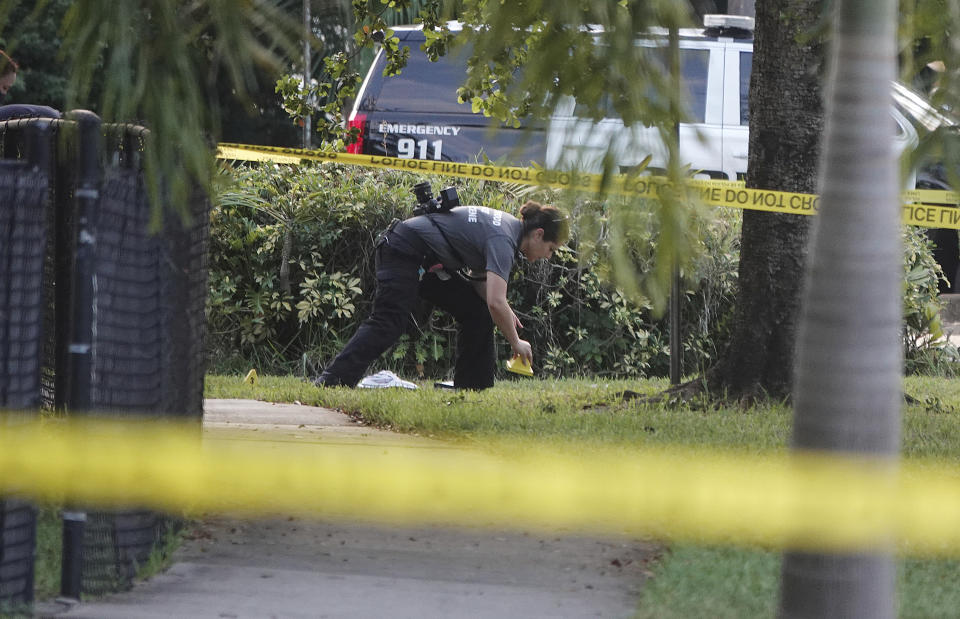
(487, 239)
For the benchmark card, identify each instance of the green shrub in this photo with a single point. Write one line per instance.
(925, 347)
(292, 277)
(587, 326)
(291, 261)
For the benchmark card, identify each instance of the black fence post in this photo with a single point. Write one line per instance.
(80, 350)
(87, 196)
(71, 561)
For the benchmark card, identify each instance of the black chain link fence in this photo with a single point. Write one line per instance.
(151, 292)
(116, 545)
(18, 542)
(147, 332)
(23, 234)
(22, 242)
(148, 361)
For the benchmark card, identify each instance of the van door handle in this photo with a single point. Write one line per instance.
(740, 156)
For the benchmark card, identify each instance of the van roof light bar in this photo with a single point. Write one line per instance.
(724, 22)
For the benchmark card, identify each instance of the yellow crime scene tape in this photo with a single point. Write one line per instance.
(921, 207)
(809, 502)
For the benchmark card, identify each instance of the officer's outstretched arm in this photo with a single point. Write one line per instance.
(504, 317)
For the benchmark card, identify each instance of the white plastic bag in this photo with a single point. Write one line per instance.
(383, 379)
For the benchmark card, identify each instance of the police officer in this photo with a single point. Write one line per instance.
(475, 238)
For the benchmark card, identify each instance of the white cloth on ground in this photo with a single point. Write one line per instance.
(385, 378)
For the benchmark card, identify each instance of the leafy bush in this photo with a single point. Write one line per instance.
(586, 325)
(925, 346)
(290, 267)
(292, 277)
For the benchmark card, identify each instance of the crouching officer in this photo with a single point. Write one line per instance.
(475, 238)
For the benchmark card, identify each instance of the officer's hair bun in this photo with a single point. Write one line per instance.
(546, 216)
(530, 209)
(536, 211)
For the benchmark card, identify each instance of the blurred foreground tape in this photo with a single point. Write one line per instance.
(803, 502)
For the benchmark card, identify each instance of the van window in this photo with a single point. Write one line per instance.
(424, 85)
(746, 65)
(694, 65)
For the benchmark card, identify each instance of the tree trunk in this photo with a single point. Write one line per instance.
(285, 255)
(849, 360)
(786, 123)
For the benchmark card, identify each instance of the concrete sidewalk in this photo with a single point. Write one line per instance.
(289, 567)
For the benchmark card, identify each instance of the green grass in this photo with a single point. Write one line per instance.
(161, 557)
(46, 571)
(589, 411)
(46, 578)
(50, 545)
(569, 410)
(736, 583)
(690, 581)
(928, 589)
(721, 583)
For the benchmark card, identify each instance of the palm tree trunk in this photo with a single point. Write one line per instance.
(849, 364)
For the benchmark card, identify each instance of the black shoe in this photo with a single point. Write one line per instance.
(325, 379)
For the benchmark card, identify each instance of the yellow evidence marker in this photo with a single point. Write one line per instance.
(518, 365)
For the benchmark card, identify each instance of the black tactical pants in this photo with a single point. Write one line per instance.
(398, 286)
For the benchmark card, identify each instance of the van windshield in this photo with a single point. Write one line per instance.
(424, 85)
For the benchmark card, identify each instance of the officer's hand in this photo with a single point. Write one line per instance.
(524, 351)
(516, 321)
